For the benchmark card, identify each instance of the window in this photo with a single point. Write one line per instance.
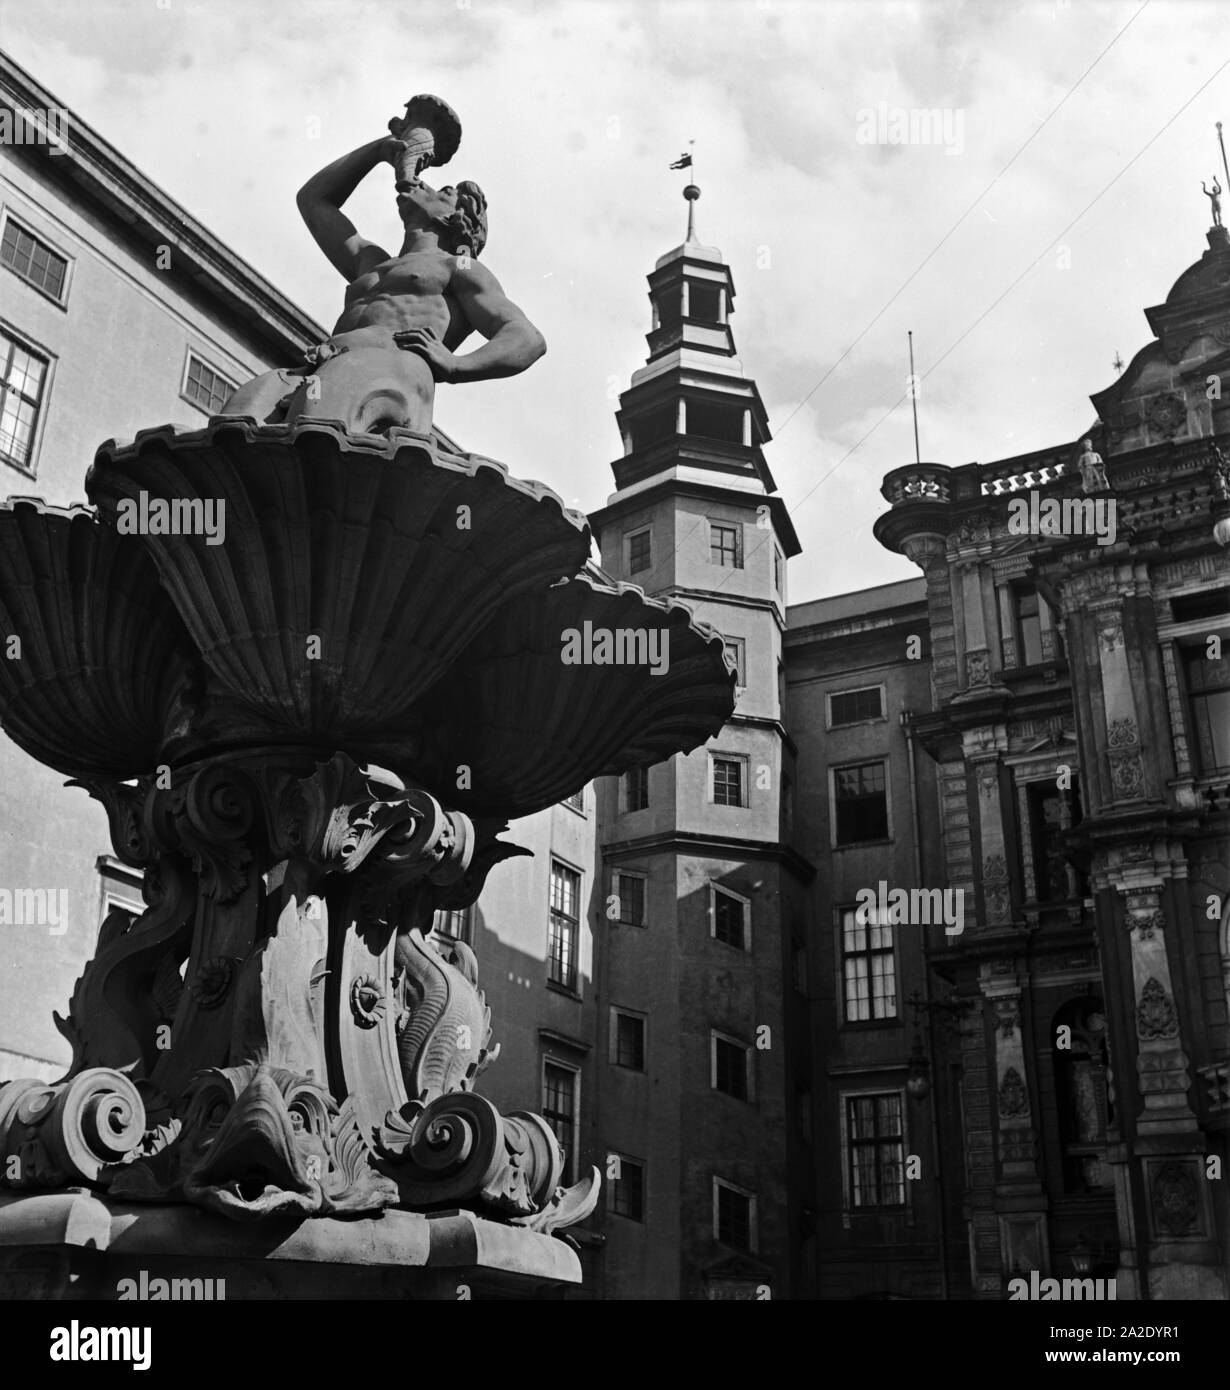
(1028, 625)
(704, 302)
(31, 258)
(639, 551)
(736, 649)
(876, 1150)
(121, 888)
(727, 781)
(628, 1040)
(712, 421)
(729, 1066)
(562, 939)
(204, 387)
(1208, 603)
(454, 922)
(726, 544)
(734, 1215)
(787, 806)
(559, 1109)
(854, 706)
(869, 971)
(729, 914)
(860, 804)
(1051, 812)
(630, 891)
(655, 425)
(635, 789)
(627, 1189)
(778, 575)
(21, 394)
(1082, 1094)
(576, 801)
(1208, 689)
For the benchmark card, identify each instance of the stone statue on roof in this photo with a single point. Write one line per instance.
(1092, 469)
(1214, 196)
(406, 314)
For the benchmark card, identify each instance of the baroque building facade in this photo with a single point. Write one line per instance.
(1080, 710)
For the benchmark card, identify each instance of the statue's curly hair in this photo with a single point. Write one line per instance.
(467, 227)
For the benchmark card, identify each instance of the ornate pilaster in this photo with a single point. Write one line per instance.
(983, 749)
(1174, 704)
(1019, 1198)
(1161, 1064)
(930, 553)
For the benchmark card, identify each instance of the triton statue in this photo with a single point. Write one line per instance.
(407, 314)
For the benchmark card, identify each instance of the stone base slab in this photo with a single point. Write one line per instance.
(79, 1245)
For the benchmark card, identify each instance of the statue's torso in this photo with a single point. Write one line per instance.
(409, 291)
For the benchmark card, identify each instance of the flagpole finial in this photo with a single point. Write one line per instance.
(691, 193)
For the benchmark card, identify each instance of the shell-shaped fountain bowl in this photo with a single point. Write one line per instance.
(349, 572)
(587, 678)
(98, 644)
(258, 586)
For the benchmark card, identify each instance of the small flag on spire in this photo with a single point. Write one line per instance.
(683, 162)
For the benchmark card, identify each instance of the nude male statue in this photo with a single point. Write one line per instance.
(1214, 196)
(405, 315)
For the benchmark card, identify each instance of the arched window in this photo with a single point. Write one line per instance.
(1079, 1049)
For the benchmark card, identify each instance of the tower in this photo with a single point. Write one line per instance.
(699, 1061)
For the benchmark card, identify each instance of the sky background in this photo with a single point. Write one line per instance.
(572, 113)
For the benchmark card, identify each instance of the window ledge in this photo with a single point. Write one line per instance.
(556, 988)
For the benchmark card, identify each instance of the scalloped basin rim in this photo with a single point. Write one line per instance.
(388, 446)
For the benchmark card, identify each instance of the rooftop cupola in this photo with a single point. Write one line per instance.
(690, 404)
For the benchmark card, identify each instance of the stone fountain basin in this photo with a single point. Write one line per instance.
(100, 643)
(372, 594)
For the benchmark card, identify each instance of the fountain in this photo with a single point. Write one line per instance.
(310, 713)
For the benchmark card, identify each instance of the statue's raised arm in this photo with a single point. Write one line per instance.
(405, 315)
(320, 203)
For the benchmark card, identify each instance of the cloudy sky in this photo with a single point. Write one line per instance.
(1038, 261)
